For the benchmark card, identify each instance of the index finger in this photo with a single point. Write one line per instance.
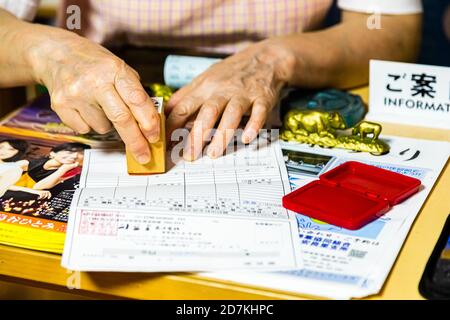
(137, 100)
(125, 124)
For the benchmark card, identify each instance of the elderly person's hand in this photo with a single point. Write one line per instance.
(91, 88)
(249, 81)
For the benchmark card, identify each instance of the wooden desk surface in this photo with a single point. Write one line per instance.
(44, 270)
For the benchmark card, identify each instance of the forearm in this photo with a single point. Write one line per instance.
(49, 182)
(14, 66)
(26, 50)
(339, 56)
(22, 189)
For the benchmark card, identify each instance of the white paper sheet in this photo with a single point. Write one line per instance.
(202, 216)
(340, 263)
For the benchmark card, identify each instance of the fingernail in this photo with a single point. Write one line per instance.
(188, 155)
(143, 158)
(213, 152)
(248, 136)
(153, 138)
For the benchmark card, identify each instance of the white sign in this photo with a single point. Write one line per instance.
(409, 93)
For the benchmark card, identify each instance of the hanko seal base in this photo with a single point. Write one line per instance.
(351, 195)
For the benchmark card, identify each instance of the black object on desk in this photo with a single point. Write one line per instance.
(435, 282)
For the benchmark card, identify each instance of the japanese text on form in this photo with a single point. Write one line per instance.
(203, 215)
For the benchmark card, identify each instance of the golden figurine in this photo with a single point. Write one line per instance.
(365, 127)
(319, 128)
(320, 122)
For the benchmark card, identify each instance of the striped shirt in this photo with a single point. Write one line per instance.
(223, 26)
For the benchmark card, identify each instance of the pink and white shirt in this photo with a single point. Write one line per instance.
(223, 26)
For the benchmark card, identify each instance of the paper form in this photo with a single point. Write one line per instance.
(340, 263)
(199, 216)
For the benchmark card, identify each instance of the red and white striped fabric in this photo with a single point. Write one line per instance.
(209, 25)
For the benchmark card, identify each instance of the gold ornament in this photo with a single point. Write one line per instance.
(160, 90)
(319, 128)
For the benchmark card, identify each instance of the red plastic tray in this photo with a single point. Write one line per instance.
(351, 195)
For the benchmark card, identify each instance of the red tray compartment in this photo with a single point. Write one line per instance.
(351, 195)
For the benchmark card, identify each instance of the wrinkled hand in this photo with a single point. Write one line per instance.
(248, 81)
(90, 88)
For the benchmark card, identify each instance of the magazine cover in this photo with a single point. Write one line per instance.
(37, 180)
